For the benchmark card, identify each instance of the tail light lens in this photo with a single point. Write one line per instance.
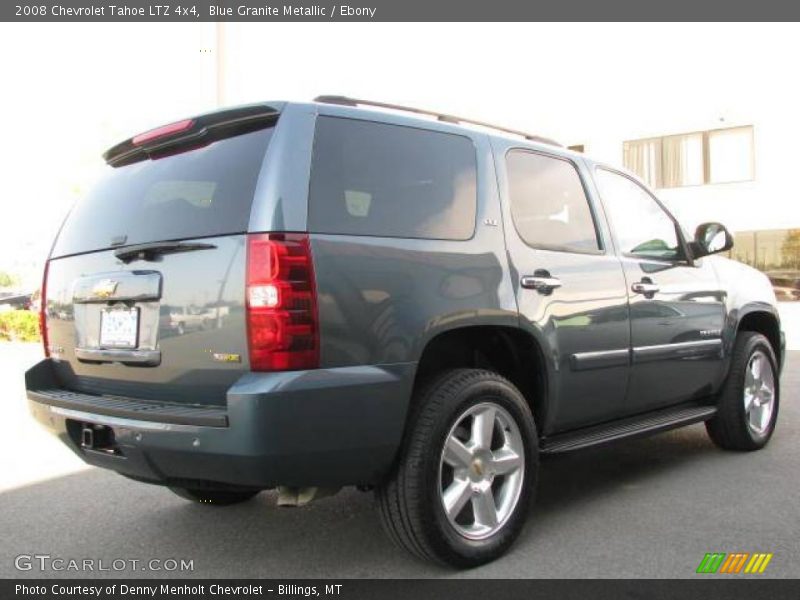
(43, 311)
(282, 323)
(162, 132)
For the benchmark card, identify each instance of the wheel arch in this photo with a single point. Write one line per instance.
(509, 351)
(763, 319)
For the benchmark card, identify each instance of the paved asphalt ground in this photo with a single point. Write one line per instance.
(646, 508)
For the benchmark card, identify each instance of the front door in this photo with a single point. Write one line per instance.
(570, 288)
(676, 305)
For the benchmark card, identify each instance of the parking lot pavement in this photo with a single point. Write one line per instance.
(27, 453)
(645, 508)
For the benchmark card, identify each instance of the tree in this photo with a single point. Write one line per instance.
(790, 249)
(7, 279)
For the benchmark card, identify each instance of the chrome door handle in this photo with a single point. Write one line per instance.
(648, 288)
(544, 284)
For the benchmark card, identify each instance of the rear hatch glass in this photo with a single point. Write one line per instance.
(201, 193)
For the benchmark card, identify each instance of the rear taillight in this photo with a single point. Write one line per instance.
(43, 311)
(282, 324)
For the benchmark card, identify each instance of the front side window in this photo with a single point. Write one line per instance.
(385, 180)
(548, 203)
(642, 227)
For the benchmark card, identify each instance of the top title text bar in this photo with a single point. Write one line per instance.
(397, 10)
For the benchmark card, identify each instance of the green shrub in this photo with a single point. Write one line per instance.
(8, 280)
(19, 326)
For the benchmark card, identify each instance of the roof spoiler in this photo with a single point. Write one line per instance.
(346, 101)
(191, 133)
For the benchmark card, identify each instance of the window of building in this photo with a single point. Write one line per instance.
(730, 154)
(682, 160)
(702, 157)
(548, 203)
(376, 179)
(643, 228)
(643, 157)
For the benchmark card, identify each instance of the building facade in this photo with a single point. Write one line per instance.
(739, 171)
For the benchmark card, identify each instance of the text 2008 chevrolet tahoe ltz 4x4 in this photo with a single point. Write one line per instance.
(391, 301)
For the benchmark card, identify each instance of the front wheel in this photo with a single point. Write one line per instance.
(747, 407)
(465, 480)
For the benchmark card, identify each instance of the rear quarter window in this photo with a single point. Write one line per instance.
(385, 180)
(199, 193)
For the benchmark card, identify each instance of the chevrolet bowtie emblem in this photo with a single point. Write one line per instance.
(105, 288)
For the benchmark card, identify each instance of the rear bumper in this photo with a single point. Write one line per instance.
(326, 427)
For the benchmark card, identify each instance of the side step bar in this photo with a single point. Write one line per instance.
(641, 425)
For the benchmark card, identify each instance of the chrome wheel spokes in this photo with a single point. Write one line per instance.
(759, 393)
(481, 470)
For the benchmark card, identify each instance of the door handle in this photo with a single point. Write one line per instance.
(646, 287)
(541, 281)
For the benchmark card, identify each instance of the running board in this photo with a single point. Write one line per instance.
(641, 425)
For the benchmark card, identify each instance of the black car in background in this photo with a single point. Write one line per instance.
(16, 301)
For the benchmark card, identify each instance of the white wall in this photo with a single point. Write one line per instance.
(770, 201)
(72, 90)
(596, 84)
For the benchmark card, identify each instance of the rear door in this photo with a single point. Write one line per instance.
(570, 286)
(676, 305)
(145, 287)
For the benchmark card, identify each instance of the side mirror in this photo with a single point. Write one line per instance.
(710, 238)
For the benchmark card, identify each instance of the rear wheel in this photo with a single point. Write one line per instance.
(216, 497)
(461, 491)
(748, 402)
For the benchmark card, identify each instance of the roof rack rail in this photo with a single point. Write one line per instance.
(346, 101)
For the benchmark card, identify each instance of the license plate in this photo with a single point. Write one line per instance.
(119, 327)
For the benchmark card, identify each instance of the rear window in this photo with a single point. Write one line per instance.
(203, 192)
(548, 203)
(390, 181)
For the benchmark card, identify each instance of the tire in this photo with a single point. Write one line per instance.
(214, 497)
(745, 421)
(411, 501)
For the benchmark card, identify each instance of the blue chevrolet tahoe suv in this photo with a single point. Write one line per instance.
(305, 296)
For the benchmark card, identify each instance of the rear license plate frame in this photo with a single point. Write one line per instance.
(130, 339)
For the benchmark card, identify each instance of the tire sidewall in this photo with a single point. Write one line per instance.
(445, 538)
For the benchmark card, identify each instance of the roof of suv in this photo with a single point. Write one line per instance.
(447, 118)
(356, 108)
(365, 109)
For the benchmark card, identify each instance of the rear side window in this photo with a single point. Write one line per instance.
(548, 203)
(199, 193)
(390, 181)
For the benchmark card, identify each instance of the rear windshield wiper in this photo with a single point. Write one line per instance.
(153, 249)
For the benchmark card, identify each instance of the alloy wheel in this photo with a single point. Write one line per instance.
(481, 470)
(759, 393)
